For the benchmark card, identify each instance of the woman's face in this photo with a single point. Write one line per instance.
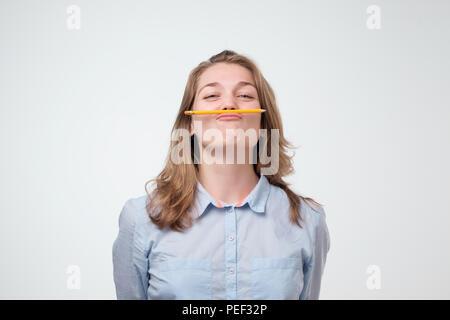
(226, 86)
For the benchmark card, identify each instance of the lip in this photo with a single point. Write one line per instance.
(229, 116)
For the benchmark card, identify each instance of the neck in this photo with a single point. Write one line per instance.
(229, 183)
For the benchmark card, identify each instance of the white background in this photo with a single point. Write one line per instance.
(86, 116)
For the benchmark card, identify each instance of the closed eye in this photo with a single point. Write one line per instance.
(242, 95)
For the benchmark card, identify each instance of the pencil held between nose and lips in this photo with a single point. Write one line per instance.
(196, 112)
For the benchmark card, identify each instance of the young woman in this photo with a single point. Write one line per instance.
(212, 229)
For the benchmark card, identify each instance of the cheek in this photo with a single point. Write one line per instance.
(202, 122)
(255, 123)
(201, 104)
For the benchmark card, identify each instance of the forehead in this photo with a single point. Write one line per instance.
(225, 73)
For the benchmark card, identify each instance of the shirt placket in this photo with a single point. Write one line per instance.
(230, 253)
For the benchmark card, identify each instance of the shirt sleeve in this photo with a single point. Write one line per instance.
(130, 261)
(315, 267)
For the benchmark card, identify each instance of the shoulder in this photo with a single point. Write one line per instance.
(135, 229)
(138, 203)
(312, 208)
(313, 211)
(310, 211)
(317, 223)
(308, 207)
(134, 212)
(277, 194)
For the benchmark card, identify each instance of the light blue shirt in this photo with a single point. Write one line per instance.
(251, 251)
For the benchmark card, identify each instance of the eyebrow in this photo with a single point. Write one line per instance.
(214, 84)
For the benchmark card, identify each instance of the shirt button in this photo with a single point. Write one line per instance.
(231, 238)
(231, 271)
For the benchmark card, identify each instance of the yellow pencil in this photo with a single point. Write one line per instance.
(192, 112)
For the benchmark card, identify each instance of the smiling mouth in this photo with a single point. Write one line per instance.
(229, 116)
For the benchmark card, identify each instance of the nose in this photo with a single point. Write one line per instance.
(229, 103)
(228, 108)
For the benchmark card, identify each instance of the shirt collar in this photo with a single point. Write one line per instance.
(256, 199)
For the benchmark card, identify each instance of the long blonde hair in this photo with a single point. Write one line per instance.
(175, 187)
